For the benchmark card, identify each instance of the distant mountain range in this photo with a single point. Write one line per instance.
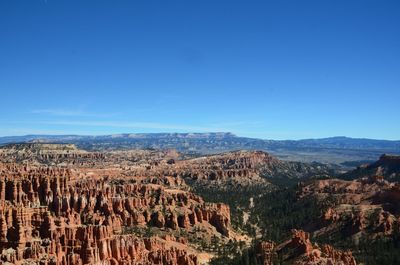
(333, 150)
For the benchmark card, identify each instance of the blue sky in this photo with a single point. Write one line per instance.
(267, 69)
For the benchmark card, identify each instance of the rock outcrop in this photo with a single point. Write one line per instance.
(238, 167)
(388, 166)
(364, 208)
(62, 216)
(299, 250)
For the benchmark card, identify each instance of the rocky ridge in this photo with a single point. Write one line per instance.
(237, 165)
(387, 166)
(368, 205)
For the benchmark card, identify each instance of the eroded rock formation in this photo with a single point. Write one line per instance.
(368, 206)
(60, 216)
(299, 250)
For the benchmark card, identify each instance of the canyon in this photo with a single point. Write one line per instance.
(63, 205)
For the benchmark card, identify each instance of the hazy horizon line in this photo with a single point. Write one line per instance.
(194, 132)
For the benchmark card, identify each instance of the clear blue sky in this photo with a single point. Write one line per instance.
(268, 69)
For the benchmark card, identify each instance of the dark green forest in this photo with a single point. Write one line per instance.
(277, 210)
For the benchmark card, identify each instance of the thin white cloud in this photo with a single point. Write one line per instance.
(26, 131)
(98, 126)
(134, 125)
(59, 112)
(71, 113)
